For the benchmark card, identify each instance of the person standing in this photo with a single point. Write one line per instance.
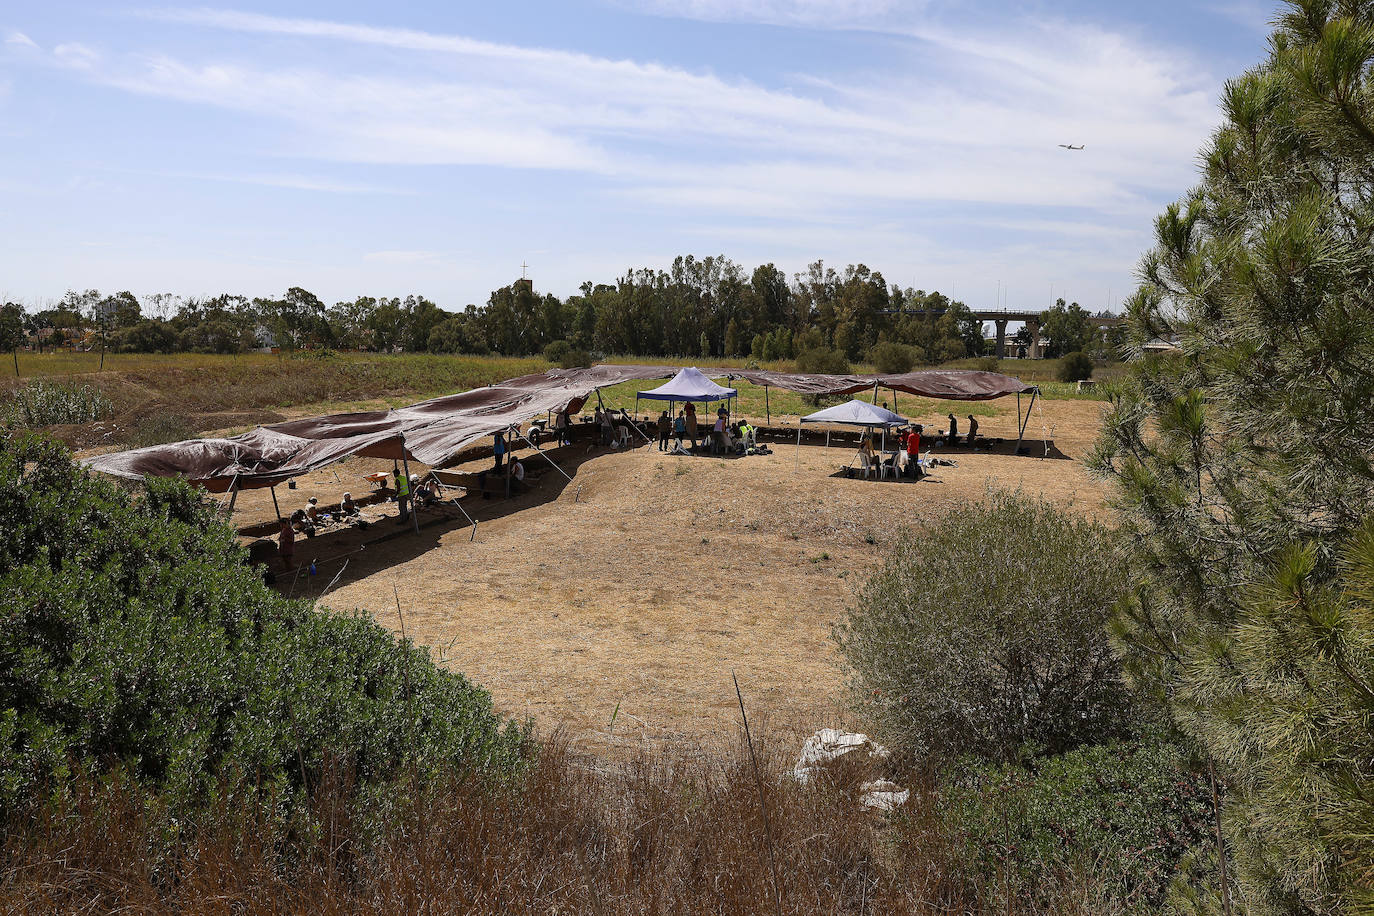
(498, 451)
(972, 429)
(691, 411)
(561, 426)
(679, 430)
(607, 428)
(286, 544)
(913, 451)
(665, 427)
(402, 495)
(953, 438)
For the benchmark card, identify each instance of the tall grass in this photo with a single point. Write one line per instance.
(655, 835)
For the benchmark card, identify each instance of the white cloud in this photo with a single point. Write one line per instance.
(985, 129)
(842, 157)
(76, 55)
(19, 39)
(294, 182)
(803, 13)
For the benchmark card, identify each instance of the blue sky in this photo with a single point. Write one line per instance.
(383, 149)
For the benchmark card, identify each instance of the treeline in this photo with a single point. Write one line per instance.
(700, 307)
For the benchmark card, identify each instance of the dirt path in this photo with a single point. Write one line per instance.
(664, 575)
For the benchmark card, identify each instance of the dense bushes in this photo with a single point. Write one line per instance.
(986, 633)
(132, 636)
(823, 360)
(892, 357)
(45, 403)
(1129, 812)
(1075, 366)
(566, 356)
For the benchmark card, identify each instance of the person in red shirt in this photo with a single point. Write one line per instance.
(913, 451)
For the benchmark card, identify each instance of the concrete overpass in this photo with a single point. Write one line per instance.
(1000, 318)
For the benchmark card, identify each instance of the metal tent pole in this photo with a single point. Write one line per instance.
(796, 454)
(1021, 433)
(233, 494)
(472, 537)
(276, 508)
(768, 409)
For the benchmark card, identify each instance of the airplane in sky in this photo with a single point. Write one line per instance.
(1069, 146)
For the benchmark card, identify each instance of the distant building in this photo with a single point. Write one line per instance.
(1160, 344)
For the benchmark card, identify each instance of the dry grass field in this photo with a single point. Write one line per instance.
(617, 605)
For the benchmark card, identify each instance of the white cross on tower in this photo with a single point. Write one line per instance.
(523, 268)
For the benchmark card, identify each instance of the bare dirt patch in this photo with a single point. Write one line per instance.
(643, 583)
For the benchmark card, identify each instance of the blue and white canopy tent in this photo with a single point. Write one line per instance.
(853, 413)
(690, 384)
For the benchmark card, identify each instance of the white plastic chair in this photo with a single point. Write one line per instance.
(866, 463)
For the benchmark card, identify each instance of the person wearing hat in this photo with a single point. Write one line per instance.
(312, 509)
(347, 506)
(953, 430)
(972, 429)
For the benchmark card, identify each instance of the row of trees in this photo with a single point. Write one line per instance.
(700, 307)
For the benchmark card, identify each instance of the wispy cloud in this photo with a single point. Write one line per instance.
(77, 55)
(295, 182)
(803, 13)
(847, 160)
(979, 123)
(19, 39)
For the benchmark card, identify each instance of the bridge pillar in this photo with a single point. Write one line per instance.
(1034, 325)
(1001, 337)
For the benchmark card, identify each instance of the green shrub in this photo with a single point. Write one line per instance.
(987, 364)
(985, 632)
(557, 351)
(45, 403)
(132, 636)
(892, 357)
(822, 360)
(575, 359)
(1127, 812)
(1075, 366)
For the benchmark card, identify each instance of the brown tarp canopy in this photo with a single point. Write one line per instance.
(949, 384)
(432, 432)
(435, 432)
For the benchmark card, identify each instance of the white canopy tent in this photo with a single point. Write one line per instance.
(690, 384)
(853, 413)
